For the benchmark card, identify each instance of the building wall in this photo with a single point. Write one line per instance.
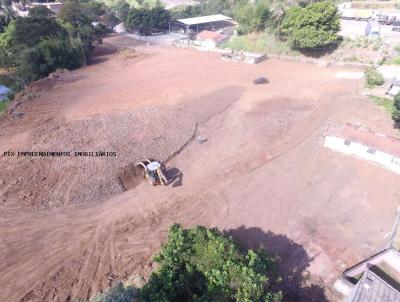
(361, 151)
(208, 45)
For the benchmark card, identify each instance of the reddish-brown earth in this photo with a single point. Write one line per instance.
(68, 231)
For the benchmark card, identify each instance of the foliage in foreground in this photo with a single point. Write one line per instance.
(314, 26)
(201, 264)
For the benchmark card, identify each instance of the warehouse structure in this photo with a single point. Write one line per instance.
(189, 28)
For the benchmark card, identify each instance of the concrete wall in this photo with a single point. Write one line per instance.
(359, 150)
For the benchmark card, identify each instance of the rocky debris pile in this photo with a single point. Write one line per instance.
(59, 72)
(92, 154)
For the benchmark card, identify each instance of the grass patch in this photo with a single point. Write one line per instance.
(3, 106)
(385, 103)
(394, 61)
(351, 59)
(259, 42)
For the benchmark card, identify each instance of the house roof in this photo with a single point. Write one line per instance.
(210, 35)
(372, 288)
(204, 19)
(377, 141)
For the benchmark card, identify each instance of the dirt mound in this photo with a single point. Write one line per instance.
(131, 176)
(91, 153)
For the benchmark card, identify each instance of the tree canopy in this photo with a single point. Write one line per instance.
(146, 19)
(314, 26)
(201, 264)
(35, 45)
(251, 18)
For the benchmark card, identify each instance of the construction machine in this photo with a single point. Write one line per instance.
(154, 172)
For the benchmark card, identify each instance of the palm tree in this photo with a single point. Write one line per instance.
(277, 14)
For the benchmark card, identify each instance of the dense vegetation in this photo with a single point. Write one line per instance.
(201, 264)
(303, 26)
(314, 26)
(147, 20)
(38, 44)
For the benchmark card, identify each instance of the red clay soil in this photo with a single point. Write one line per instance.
(262, 175)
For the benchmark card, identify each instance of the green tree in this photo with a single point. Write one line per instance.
(40, 43)
(41, 12)
(93, 9)
(72, 12)
(121, 9)
(7, 14)
(251, 18)
(144, 19)
(314, 26)
(30, 30)
(201, 264)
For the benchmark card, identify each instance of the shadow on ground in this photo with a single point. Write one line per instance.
(99, 53)
(174, 176)
(317, 53)
(293, 262)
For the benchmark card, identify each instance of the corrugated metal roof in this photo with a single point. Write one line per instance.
(372, 288)
(204, 19)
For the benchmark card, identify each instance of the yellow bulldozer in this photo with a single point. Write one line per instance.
(154, 172)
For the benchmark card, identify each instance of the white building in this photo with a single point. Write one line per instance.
(209, 40)
(366, 145)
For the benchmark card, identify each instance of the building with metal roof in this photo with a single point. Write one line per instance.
(376, 279)
(204, 19)
(373, 288)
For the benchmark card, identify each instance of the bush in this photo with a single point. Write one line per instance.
(117, 293)
(396, 101)
(373, 77)
(396, 118)
(201, 264)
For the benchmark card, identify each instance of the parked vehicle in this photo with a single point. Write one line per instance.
(260, 80)
(396, 26)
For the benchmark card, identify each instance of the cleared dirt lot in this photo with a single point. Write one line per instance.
(262, 175)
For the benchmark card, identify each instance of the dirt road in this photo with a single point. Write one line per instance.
(262, 175)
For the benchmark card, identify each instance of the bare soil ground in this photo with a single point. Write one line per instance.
(68, 231)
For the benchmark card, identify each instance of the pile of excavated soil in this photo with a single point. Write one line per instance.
(97, 150)
(131, 176)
